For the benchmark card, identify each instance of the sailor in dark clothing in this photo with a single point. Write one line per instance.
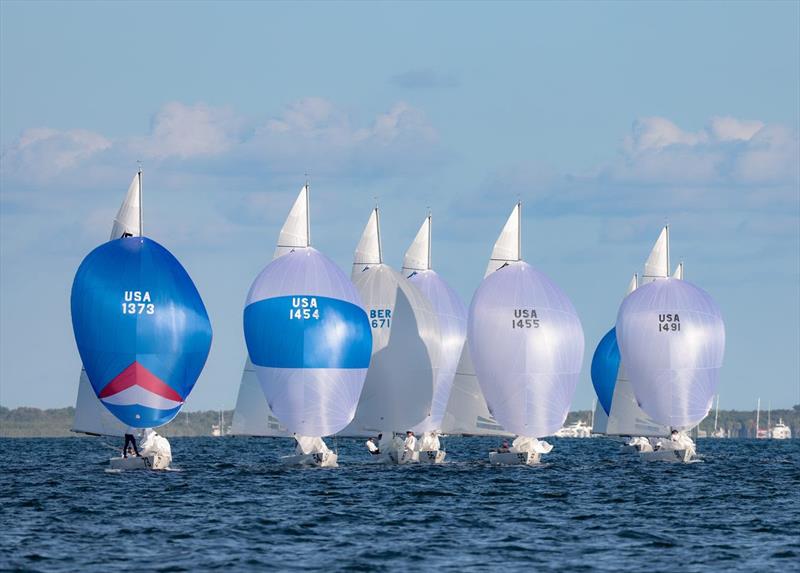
(129, 439)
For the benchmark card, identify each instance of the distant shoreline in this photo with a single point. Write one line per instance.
(27, 422)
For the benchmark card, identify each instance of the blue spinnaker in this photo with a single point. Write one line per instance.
(141, 328)
(605, 367)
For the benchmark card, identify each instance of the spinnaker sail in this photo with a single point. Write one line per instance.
(141, 329)
(527, 345)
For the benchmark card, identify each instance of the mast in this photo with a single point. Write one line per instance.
(519, 230)
(308, 215)
(141, 223)
(430, 232)
(758, 415)
(378, 227)
(716, 415)
(668, 266)
(769, 418)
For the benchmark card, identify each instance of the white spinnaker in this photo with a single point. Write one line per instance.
(91, 417)
(657, 264)
(527, 345)
(507, 249)
(626, 417)
(451, 315)
(466, 412)
(296, 232)
(672, 341)
(253, 416)
(406, 341)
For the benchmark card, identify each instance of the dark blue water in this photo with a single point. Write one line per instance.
(589, 508)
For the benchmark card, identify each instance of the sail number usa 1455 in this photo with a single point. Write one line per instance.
(525, 318)
(304, 308)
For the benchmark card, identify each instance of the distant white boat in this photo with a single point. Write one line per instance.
(576, 430)
(781, 431)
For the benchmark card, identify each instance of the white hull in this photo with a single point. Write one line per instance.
(514, 458)
(400, 456)
(431, 456)
(149, 462)
(315, 460)
(662, 455)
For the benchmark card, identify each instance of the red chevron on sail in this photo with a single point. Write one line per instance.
(138, 375)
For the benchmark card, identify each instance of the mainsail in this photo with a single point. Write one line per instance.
(527, 344)
(91, 417)
(451, 315)
(399, 388)
(657, 264)
(672, 341)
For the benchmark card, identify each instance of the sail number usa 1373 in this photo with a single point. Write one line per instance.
(304, 308)
(137, 302)
(525, 318)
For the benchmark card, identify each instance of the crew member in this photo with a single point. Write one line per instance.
(129, 439)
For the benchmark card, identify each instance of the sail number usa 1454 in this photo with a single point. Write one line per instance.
(304, 308)
(525, 318)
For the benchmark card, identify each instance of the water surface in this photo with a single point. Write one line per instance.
(590, 508)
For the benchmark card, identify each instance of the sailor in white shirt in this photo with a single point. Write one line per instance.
(410, 444)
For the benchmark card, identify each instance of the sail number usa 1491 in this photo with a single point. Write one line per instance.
(304, 308)
(137, 302)
(669, 322)
(525, 318)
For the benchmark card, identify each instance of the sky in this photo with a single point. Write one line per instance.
(607, 120)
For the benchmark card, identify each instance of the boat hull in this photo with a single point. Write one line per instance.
(400, 456)
(148, 462)
(313, 460)
(431, 456)
(514, 458)
(662, 455)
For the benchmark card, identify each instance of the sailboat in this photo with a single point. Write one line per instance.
(527, 344)
(308, 338)
(617, 412)
(142, 332)
(406, 348)
(452, 316)
(672, 341)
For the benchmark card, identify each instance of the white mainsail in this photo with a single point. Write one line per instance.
(398, 391)
(508, 247)
(91, 417)
(678, 274)
(252, 415)
(452, 317)
(657, 264)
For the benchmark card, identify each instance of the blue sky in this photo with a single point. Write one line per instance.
(605, 119)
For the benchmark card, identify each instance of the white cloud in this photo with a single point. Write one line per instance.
(42, 153)
(732, 129)
(188, 131)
